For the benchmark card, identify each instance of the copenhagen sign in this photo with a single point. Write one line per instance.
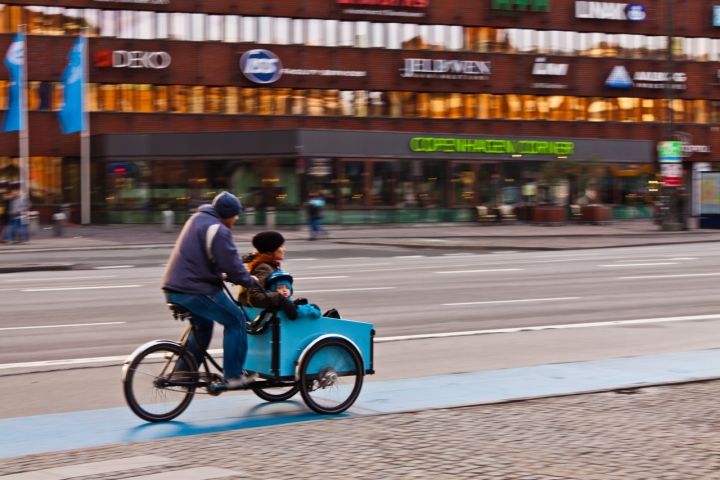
(470, 145)
(521, 5)
(620, 78)
(132, 59)
(633, 12)
(445, 69)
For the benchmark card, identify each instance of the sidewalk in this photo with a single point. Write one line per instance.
(664, 432)
(520, 236)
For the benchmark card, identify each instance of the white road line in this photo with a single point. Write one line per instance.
(684, 258)
(354, 258)
(58, 278)
(505, 251)
(671, 276)
(95, 468)
(98, 287)
(301, 260)
(638, 264)
(513, 301)
(326, 267)
(483, 271)
(114, 266)
(62, 326)
(410, 256)
(320, 278)
(347, 290)
(458, 255)
(546, 327)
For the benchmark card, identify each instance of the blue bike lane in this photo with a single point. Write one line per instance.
(48, 433)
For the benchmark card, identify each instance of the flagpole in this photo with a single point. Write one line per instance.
(24, 139)
(85, 140)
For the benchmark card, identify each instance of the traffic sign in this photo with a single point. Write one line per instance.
(670, 152)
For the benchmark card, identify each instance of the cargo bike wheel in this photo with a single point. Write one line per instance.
(275, 392)
(159, 383)
(331, 376)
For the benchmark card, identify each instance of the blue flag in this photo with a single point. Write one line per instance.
(72, 116)
(14, 60)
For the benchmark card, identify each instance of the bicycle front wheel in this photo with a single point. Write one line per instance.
(331, 376)
(149, 384)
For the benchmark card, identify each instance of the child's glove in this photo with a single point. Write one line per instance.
(300, 301)
(290, 309)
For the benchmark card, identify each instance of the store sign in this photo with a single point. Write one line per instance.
(716, 16)
(521, 5)
(672, 174)
(446, 69)
(670, 152)
(620, 78)
(261, 66)
(611, 11)
(470, 145)
(541, 67)
(390, 7)
(132, 59)
(687, 146)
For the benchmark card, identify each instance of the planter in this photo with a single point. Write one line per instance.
(552, 215)
(595, 214)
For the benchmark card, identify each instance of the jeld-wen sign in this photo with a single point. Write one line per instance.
(521, 5)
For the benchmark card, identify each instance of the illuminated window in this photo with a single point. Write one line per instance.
(196, 100)
(214, 100)
(178, 99)
(231, 100)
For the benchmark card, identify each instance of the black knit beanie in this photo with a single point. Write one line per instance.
(268, 242)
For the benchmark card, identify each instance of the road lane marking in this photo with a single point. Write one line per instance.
(513, 301)
(301, 260)
(347, 290)
(684, 258)
(320, 278)
(546, 327)
(672, 276)
(505, 251)
(114, 266)
(58, 278)
(98, 287)
(354, 258)
(638, 264)
(328, 267)
(483, 271)
(410, 256)
(62, 326)
(94, 468)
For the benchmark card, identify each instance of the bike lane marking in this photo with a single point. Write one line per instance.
(54, 432)
(58, 289)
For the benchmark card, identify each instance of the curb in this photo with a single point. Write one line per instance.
(36, 267)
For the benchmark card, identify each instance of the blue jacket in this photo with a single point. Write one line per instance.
(190, 268)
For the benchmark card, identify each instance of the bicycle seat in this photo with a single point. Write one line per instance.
(178, 311)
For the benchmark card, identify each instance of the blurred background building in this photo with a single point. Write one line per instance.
(394, 110)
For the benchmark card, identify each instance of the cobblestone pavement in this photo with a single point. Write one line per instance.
(666, 432)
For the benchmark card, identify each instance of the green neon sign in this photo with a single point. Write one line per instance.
(471, 145)
(522, 5)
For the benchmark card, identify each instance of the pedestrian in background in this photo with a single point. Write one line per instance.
(315, 204)
(17, 216)
(4, 200)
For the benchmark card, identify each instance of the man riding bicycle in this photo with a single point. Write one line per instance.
(205, 255)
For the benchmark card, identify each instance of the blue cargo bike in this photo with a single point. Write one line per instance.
(325, 359)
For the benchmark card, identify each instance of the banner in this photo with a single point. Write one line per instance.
(72, 118)
(14, 60)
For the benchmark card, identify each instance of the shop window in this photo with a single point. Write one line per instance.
(179, 26)
(714, 111)
(361, 103)
(126, 24)
(384, 182)
(45, 180)
(455, 105)
(714, 54)
(352, 184)
(144, 98)
(264, 30)
(514, 107)
(162, 103)
(248, 29)
(283, 101)
(145, 27)
(197, 27)
(169, 186)
(266, 105)
(298, 31)
(470, 105)
(395, 99)
(421, 184)
(91, 98)
(648, 112)
(462, 184)
(378, 104)
(73, 21)
(315, 104)
(215, 25)
(314, 32)
(248, 101)
(679, 111)
(488, 179)
(231, 29)
(657, 46)
(213, 100)
(282, 31)
(700, 111)
(472, 39)
(628, 110)
(298, 105)
(33, 96)
(347, 103)
(331, 33)
(332, 102)
(320, 177)
(347, 34)
(439, 105)
(579, 106)
(91, 20)
(393, 36)
(455, 38)
(377, 35)
(230, 100)
(107, 99)
(178, 99)
(162, 27)
(529, 107)
(410, 38)
(701, 49)
(558, 107)
(126, 97)
(597, 109)
(543, 42)
(362, 34)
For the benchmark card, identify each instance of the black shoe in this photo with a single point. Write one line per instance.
(332, 313)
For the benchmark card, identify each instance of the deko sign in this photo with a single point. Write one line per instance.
(132, 59)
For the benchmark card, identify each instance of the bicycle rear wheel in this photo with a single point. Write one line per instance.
(275, 393)
(331, 376)
(146, 384)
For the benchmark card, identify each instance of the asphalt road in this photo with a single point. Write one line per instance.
(108, 312)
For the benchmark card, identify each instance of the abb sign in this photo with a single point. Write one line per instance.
(132, 59)
(387, 3)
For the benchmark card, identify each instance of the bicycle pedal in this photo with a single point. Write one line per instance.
(217, 388)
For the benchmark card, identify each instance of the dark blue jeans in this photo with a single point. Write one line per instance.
(316, 228)
(219, 308)
(16, 228)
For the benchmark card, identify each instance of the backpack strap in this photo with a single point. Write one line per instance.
(209, 237)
